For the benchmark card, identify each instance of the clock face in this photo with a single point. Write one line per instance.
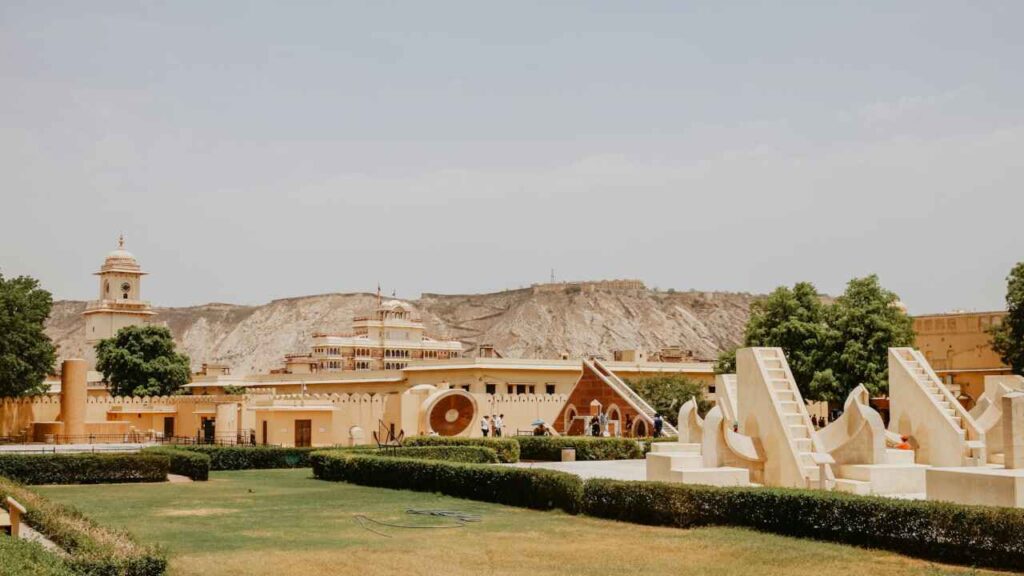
(126, 287)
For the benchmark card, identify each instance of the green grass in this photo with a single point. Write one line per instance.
(284, 522)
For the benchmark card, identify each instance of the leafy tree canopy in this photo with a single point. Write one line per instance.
(141, 361)
(1008, 335)
(866, 322)
(667, 393)
(26, 353)
(831, 348)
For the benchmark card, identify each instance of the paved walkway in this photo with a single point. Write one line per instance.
(611, 469)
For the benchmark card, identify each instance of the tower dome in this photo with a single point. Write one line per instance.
(120, 259)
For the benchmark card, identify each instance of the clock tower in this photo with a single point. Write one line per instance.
(120, 303)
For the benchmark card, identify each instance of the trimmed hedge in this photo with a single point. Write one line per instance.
(468, 454)
(524, 487)
(549, 448)
(83, 468)
(938, 531)
(27, 558)
(195, 465)
(973, 535)
(507, 448)
(93, 549)
(251, 457)
(649, 441)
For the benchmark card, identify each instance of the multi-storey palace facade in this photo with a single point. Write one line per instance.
(388, 339)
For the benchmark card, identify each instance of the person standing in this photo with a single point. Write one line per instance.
(499, 423)
(602, 419)
(485, 425)
(659, 423)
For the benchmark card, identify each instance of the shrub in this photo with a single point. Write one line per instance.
(587, 448)
(525, 487)
(195, 465)
(27, 558)
(507, 448)
(83, 468)
(252, 457)
(92, 549)
(470, 454)
(975, 535)
(646, 442)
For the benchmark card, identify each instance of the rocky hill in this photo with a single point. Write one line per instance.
(539, 322)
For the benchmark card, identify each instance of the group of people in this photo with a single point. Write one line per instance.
(818, 422)
(492, 426)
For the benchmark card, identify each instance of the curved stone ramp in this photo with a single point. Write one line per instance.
(857, 441)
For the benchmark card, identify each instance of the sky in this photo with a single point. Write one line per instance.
(258, 150)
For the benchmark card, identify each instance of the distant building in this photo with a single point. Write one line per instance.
(388, 339)
(120, 303)
(959, 348)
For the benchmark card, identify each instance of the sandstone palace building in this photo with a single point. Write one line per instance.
(387, 373)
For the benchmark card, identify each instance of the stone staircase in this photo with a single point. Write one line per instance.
(725, 395)
(943, 403)
(792, 413)
(630, 396)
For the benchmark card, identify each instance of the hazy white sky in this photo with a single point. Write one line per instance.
(253, 150)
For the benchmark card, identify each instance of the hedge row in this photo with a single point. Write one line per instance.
(195, 465)
(507, 448)
(93, 550)
(938, 531)
(524, 487)
(251, 457)
(83, 468)
(587, 448)
(27, 558)
(468, 454)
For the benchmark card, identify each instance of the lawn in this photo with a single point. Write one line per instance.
(284, 522)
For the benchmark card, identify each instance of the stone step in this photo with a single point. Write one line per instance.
(786, 395)
(853, 486)
(811, 473)
(724, 476)
(793, 419)
(659, 466)
(887, 478)
(799, 431)
(685, 447)
(897, 456)
(802, 444)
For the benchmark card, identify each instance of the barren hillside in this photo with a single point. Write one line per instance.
(528, 323)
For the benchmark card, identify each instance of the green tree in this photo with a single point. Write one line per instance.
(726, 362)
(792, 319)
(26, 353)
(867, 321)
(1008, 335)
(141, 361)
(830, 348)
(667, 393)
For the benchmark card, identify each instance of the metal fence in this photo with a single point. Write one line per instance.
(241, 438)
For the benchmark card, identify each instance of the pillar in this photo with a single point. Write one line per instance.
(1013, 430)
(73, 397)
(225, 427)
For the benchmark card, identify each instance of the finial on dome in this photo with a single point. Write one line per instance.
(120, 241)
